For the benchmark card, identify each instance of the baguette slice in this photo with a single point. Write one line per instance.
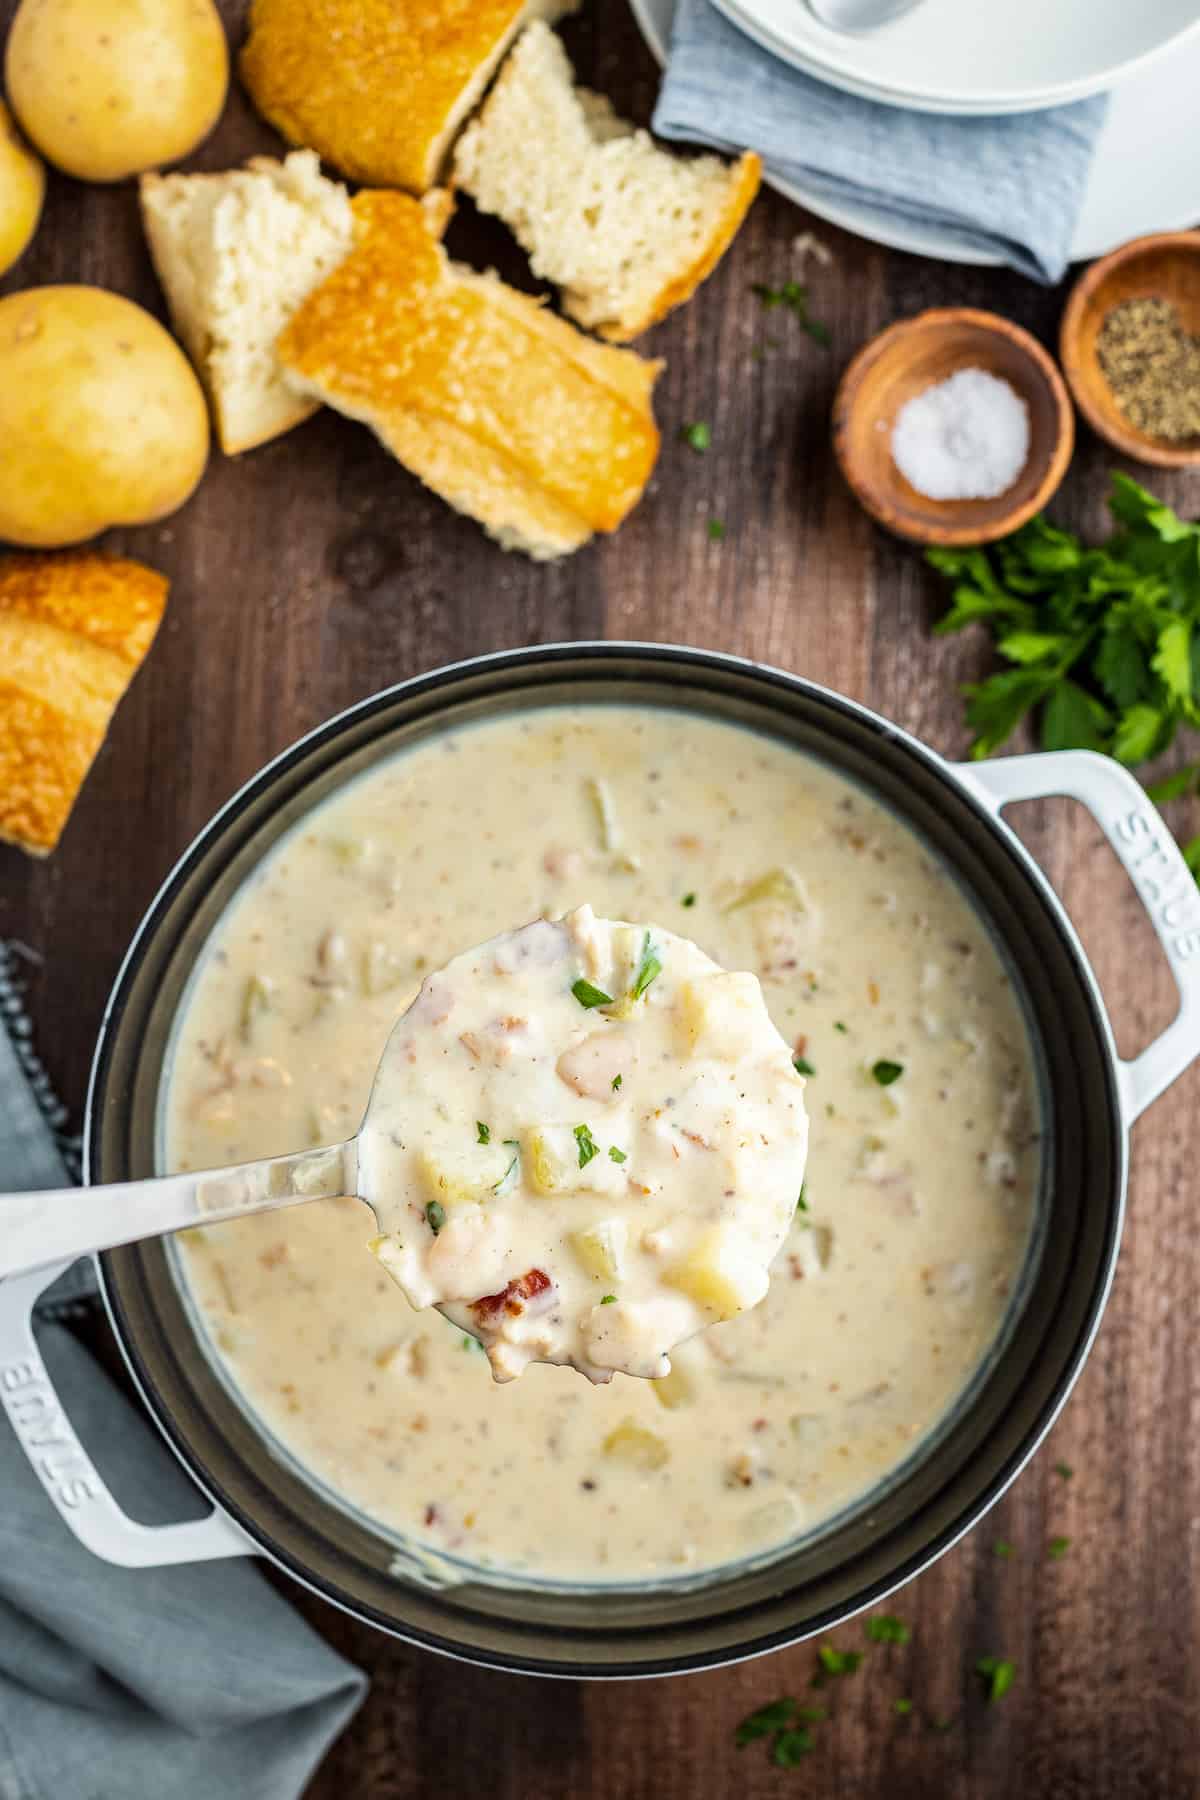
(380, 87)
(236, 254)
(627, 230)
(503, 409)
(73, 632)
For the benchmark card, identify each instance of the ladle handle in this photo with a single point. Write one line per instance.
(61, 1224)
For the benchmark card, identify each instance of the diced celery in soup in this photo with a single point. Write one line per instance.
(907, 1240)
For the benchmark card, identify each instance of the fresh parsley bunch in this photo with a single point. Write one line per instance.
(1104, 643)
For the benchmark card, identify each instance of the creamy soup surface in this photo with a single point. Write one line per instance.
(923, 1158)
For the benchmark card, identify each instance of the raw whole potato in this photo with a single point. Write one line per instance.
(102, 421)
(22, 184)
(109, 88)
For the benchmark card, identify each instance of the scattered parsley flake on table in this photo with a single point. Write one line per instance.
(697, 436)
(997, 1674)
(795, 297)
(1057, 1548)
(887, 1629)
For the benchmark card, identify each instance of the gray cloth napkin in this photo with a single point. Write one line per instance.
(1011, 186)
(134, 1684)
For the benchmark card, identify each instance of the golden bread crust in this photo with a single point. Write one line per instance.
(73, 631)
(376, 86)
(399, 334)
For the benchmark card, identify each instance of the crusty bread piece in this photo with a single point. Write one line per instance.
(503, 409)
(236, 254)
(380, 87)
(73, 632)
(627, 230)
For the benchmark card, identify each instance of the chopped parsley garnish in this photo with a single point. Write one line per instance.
(787, 1723)
(795, 297)
(587, 1145)
(838, 1026)
(590, 996)
(513, 1145)
(435, 1212)
(697, 436)
(775, 1716)
(887, 1629)
(903, 1707)
(650, 969)
(997, 1675)
(616, 1083)
(791, 1746)
(1057, 1548)
(802, 1066)
(485, 1136)
(688, 900)
(608, 1300)
(615, 1155)
(1002, 1548)
(716, 531)
(885, 1072)
(835, 1663)
(1064, 1469)
(802, 1203)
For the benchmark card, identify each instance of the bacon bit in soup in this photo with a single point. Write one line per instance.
(514, 1298)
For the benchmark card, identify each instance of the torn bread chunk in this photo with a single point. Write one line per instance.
(626, 229)
(379, 87)
(506, 411)
(236, 253)
(74, 631)
(558, 1229)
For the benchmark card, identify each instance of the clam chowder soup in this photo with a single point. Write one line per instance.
(906, 1242)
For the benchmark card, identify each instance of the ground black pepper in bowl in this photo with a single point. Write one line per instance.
(1152, 367)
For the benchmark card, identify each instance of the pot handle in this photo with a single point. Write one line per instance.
(65, 1469)
(1154, 863)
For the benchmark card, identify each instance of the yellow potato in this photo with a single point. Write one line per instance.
(109, 88)
(102, 421)
(22, 184)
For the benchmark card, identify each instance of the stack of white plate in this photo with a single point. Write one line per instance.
(1004, 56)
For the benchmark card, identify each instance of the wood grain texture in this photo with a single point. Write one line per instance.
(310, 573)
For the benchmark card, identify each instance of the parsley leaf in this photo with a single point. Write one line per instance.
(590, 996)
(716, 531)
(775, 1716)
(616, 1084)
(791, 1746)
(435, 1212)
(1064, 1469)
(688, 900)
(903, 1707)
(835, 1663)
(887, 1629)
(802, 1066)
(651, 968)
(795, 297)
(997, 1675)
(615, 1155)
(1057, 1548)
(608, 1299)
(885, 1072)
(697, 436)
(1100, 644)
(484, 1136)
(587, 1145)
(802, 1203)
(1002, 1548)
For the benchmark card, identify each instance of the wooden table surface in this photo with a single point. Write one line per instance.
(313, 571)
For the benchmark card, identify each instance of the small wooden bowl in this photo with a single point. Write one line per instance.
(1165, 266)
(916, 354)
